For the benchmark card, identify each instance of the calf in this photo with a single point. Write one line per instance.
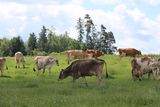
(43, 62)
(2, 64)
(85, 67)
(19, 58)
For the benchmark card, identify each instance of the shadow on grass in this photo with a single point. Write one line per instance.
(5, 76)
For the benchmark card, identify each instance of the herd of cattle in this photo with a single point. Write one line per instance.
(88, 64)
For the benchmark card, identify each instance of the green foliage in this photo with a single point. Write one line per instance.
(42, 41)
(80, 28)
(100, 40)
(5, 47)
(32, 41)
(17, 44)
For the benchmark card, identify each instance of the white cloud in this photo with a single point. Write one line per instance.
(131, 27)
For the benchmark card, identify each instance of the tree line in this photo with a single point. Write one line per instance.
(48, 41)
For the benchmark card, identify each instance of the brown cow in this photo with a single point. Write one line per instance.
(85, 67)
(2, 63)
(77, 54)
(95, 53)
(140, 66)
(129, 52)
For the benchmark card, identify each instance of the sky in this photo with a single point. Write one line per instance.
(134, 23)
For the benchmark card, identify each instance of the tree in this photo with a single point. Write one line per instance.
(32, 42)
(17, 44)
(88, 26)
(106, 41)
(5, 47)
(80, 30)
(42, 41)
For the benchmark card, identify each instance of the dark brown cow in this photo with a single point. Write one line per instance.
(95, 53)
(129, 52)
(77, 54)
(82, 68)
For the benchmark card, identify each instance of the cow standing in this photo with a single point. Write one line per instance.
(43, 62)
(85, 67)
(77, 54)
(140, 66)
(19, 58)
(2, 63)
(128, 52)
(95, 53)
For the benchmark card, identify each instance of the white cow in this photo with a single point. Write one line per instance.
(43, 62)
(19, 58)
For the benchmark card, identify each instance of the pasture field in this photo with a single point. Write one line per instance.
(23, 88)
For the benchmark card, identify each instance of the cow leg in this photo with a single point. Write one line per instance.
(99, 77)
(49, 69)
(23, 66)
(85, 81)
(43, 70)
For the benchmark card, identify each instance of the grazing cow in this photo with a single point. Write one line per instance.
(95, 53)
(140, 66)
(77, 54)
(2, 63)
(19, 58)
(85, 67)
(43, 62)
(128, 52)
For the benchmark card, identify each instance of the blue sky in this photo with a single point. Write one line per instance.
(134, 23)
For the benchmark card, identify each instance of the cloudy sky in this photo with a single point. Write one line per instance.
(134, 23)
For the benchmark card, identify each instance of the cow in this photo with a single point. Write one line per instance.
(84, 67)
(19, 58)
(43, 62)
(140, 66)
(155, 67)
(129, 52)
(77, 54)
(95, 53)
(2, 64)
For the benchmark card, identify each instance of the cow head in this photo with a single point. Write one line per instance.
(62, 75)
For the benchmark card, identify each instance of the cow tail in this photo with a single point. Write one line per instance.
(107, 75)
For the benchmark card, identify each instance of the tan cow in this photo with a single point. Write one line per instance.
(43, 62)
(2, 64)
(95, 53)
(128, 52)
(77, 54)
(19, 58)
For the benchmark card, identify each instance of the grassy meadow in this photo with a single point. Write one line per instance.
(23, 88)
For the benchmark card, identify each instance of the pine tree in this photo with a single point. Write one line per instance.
(32, 42)
(80, 30)
(17, 44)
(106, 41)
(88, 26)
(42, 41)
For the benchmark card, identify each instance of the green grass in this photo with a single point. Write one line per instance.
(23, 88)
